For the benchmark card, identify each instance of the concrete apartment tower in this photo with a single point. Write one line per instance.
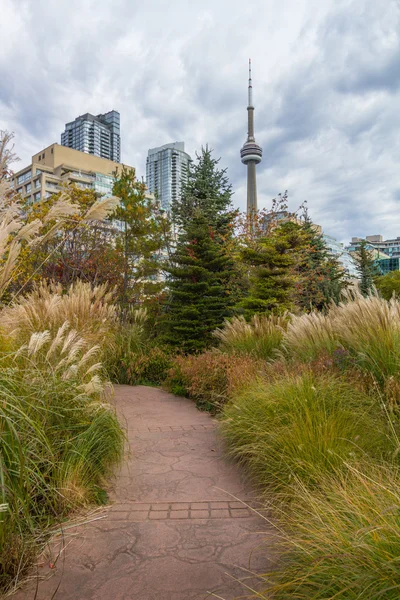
(99, 135)
(251, 154)
(166, 171)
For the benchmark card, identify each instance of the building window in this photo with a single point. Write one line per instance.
(28, 187)
(37, 183)
(24, 177)
(36, 196)
(39, 157)
(43, 155)
(52, 150)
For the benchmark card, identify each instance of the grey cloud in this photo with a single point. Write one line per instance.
(326, 83)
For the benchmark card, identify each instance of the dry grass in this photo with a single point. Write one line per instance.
(261, 337)
(308, 336)
(89, 311)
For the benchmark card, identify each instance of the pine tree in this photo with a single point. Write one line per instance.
(271, 261)
(320, 278)
(201, 270)
(199, 288)
(366, 267)
(207, 190)
(141, 238)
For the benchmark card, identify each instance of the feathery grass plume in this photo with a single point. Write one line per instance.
(101, 209)
(303, 426)
(369, 328)
(308, 336)
(62, 208)
(88, 310)
(37, 341)
(260, 337)
(343, 541)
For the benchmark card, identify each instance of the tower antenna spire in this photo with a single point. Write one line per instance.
(250, 86)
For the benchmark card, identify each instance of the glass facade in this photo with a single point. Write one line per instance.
(99, 135)
(103, 184)
(337, 249)
(166, 171)
(389, 264)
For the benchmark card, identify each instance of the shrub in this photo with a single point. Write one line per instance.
(302, 427)
(261, 337)
(342, 542)
(150, 366)
(212, 377)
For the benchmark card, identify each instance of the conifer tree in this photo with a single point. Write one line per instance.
(207, 191)
(367, 268)
(320, 278)
(199, 287)
(201, 270)
(271, 260)
(141, 237)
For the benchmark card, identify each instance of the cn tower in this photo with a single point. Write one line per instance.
(251, 154)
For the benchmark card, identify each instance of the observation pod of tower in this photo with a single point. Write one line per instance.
(251, 153)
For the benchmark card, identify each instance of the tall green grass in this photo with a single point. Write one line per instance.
(342, 541)
(303, 427)
(59, 438)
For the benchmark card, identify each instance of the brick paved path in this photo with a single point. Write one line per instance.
(174, 530)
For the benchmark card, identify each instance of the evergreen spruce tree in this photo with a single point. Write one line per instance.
(320, 278)
(206, 191)
(366, 267)
(271, 261)
(199, 287)
(201, 270)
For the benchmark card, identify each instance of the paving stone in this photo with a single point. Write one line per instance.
(158, 514)
(236, 512)
(237, 505)
(199, 505)
(180, 505)
(121, 515)
(139, 515)
(199, 514)
(141, 506)
(179, 514)
(160, 506)
(220, 513)
(219, 504)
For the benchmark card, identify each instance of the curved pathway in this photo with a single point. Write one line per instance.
(174, 530)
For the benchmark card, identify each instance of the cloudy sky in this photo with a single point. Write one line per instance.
(326, 76)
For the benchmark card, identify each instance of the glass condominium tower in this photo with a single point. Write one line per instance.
(99, 135)
(166, 170)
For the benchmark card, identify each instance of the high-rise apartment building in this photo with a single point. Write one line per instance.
(99, 135)
(56, 165)
(166, 170)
